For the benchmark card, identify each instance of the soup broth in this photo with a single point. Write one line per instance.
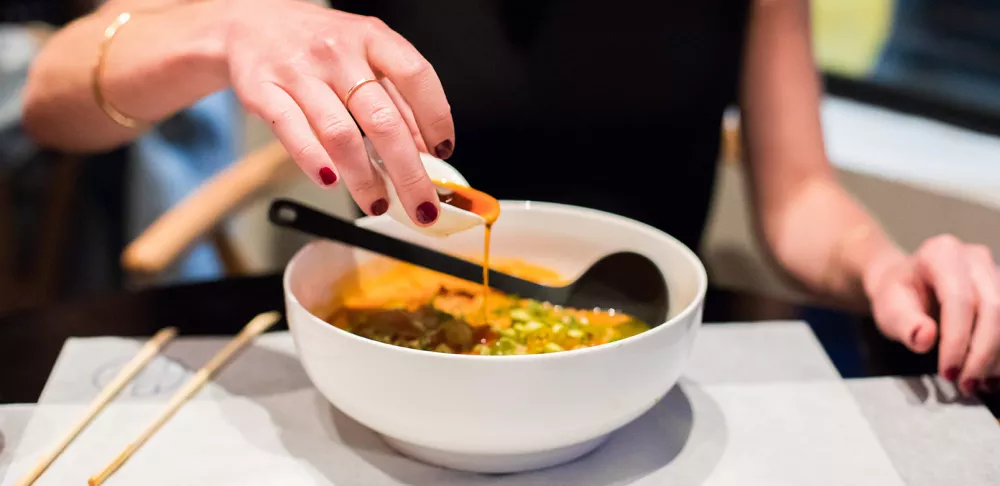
(413, 307)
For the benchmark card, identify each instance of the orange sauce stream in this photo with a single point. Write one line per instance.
(488, 208)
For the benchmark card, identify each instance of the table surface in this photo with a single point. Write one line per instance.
(30, 341)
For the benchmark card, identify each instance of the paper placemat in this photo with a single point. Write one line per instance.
(760, 404)
(13, 420)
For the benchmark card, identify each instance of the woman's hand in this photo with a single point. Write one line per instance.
(292, 64)
(961, 283)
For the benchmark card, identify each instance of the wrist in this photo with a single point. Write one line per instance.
(871, 260)
(165, 59)
(859, 259)
(878, 267)
(207, 33)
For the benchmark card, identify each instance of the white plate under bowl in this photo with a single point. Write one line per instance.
(499, 414)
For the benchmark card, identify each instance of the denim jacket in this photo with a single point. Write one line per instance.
(945, 47)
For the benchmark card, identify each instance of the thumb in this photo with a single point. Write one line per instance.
(900, 315)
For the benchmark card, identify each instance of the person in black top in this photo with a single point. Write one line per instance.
(615, 106)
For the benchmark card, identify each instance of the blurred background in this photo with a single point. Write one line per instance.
(912, 123)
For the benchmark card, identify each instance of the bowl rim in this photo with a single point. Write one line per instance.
(681, 316)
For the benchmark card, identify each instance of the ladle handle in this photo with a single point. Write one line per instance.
(291, 214)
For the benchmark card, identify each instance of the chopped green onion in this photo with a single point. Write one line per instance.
(552, 348)
(532, 326)
(505, 344)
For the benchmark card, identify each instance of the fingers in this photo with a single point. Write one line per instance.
(290, 126)
(985, 346)
(941, 262)
(307, 82)
(407, 113)
(341, 139)
(384, 125)
(901, 316)
(393, 56)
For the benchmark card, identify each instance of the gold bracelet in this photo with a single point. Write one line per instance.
(856, 233)
(108, 108)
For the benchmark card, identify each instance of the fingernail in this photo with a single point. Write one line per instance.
(380, 206)
(427, 212)
(444, 149)
(969, 386)
(951, 373)
(992, 384)
(327, 175)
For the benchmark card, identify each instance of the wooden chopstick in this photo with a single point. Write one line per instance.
(255, 327)
(132, 368)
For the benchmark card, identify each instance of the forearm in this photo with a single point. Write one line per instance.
(158, 63)
(827, 241)
(813, 228)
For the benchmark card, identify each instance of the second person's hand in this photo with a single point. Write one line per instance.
(306, 70)
(960, 284)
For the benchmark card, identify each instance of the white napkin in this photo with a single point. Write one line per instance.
(297, 438)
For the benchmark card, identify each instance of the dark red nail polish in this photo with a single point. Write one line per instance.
(380, 206)
(444, 149)
(951, 373)
(427, 212)
(327, 175)
(970, 386)
(992, 385)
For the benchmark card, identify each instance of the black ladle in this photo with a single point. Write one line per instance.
(625, 281)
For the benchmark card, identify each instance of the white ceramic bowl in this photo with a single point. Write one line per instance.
(500, 413)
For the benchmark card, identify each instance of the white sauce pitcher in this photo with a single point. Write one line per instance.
(451, 220)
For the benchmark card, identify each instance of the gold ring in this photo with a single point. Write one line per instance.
(350, 92)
